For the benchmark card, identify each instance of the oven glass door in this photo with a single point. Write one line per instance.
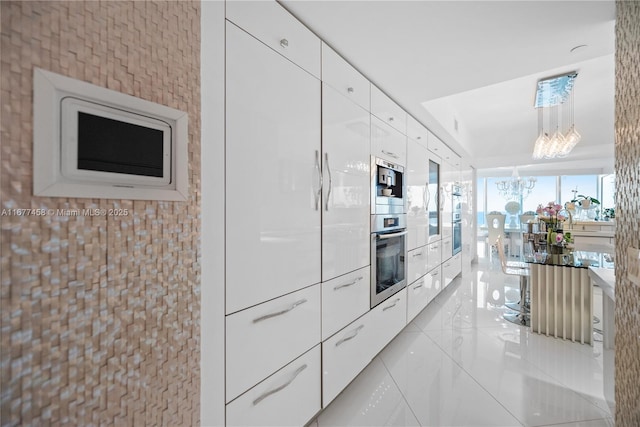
(389, 259)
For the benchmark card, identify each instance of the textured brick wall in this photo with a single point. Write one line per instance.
(100, 315)
(627, 342)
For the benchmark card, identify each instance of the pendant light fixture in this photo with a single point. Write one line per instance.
(557, 135)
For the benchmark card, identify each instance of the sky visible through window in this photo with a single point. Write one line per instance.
(546, 190)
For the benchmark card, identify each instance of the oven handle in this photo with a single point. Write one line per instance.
(391, 235)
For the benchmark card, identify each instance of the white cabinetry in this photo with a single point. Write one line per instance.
(388, 143)
(421, 292)
(435, 255)
(274, 26)
(417, 132)
(262, 339)
(417, 181)
(272, 173)
(447, 248)
(451, 268)
(418, 263)
(290, 397)
(390, 319)
(345, 204)
(388, 111)
(346, 80)
(344, 299)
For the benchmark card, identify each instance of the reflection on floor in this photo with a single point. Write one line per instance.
(460, 364)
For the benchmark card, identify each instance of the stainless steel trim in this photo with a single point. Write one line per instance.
(318, 195)
(326, 158)
(280, 387)
(350, 337)
(395, 302)
(390, 235)
(281, 312)
(345, 285)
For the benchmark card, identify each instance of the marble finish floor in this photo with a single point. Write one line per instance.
(458, 363)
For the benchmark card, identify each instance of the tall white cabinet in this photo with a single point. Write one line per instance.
(273, 173)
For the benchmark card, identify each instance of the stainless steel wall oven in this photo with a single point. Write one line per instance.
(388, 256)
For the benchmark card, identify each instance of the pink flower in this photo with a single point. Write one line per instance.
(559, 237)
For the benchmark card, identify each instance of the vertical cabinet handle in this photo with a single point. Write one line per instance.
(427, 197)
(281, 312)
(280, 387)
(326, 158)
(318, 194)
(351, 336)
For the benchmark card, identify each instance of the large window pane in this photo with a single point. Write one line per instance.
(608, 191)
(578, 184)
(543, 193)
(480, 201)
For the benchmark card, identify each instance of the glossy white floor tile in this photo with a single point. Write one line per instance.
(459, 363)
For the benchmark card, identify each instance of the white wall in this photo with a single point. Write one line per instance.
(212, 214)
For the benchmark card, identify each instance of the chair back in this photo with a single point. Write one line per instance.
(495, 226)
(525, 218)
(503, 258)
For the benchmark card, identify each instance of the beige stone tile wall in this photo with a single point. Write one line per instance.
(627, 165)
(100, 319)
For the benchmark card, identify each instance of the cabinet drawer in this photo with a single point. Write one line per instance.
(419, 294)
(387, 143)
(390, 317)
(447, 249)
(274, 26)
(450, 269)
(434, 281)
(345, 79)
(417, 132)
(434, 256)
(262, 339)
(345, 354)
(418, 263)
(290, 397)
(388, 111)
(344, 299)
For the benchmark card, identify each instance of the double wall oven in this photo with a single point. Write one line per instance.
(456, 199)
(388, 230)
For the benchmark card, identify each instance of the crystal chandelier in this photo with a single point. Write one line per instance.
(516, 187)
(557, 135)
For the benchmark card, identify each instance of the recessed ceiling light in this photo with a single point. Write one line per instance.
(579, 47)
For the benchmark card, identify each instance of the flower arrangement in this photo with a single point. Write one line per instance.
(550, 212)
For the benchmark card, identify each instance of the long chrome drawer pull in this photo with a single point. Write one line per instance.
(418, 254)
(350, 337)
(418, 287)
(280, 387)
(345, 285)
(389, 153)
(279, 313)
(435, 273)
(391, 235)
(392, 305)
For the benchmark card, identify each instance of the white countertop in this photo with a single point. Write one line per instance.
(605, 279)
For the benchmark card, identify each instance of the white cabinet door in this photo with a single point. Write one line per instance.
(346, 80)
(418, 263)
(417, 132)
(390, 318)
(290, 397)
(345, 202)
(433, 282)
(447, 248)
(262, 339)
(418, 296)
(274, 26)
(345, 354)
(450, 269)
(435, 255)
(446, 207)
(272, 174)
(344, 299)
(387, 143)
(417, 181)
(388, 111)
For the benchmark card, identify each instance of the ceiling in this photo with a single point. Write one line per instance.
(476, 63)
